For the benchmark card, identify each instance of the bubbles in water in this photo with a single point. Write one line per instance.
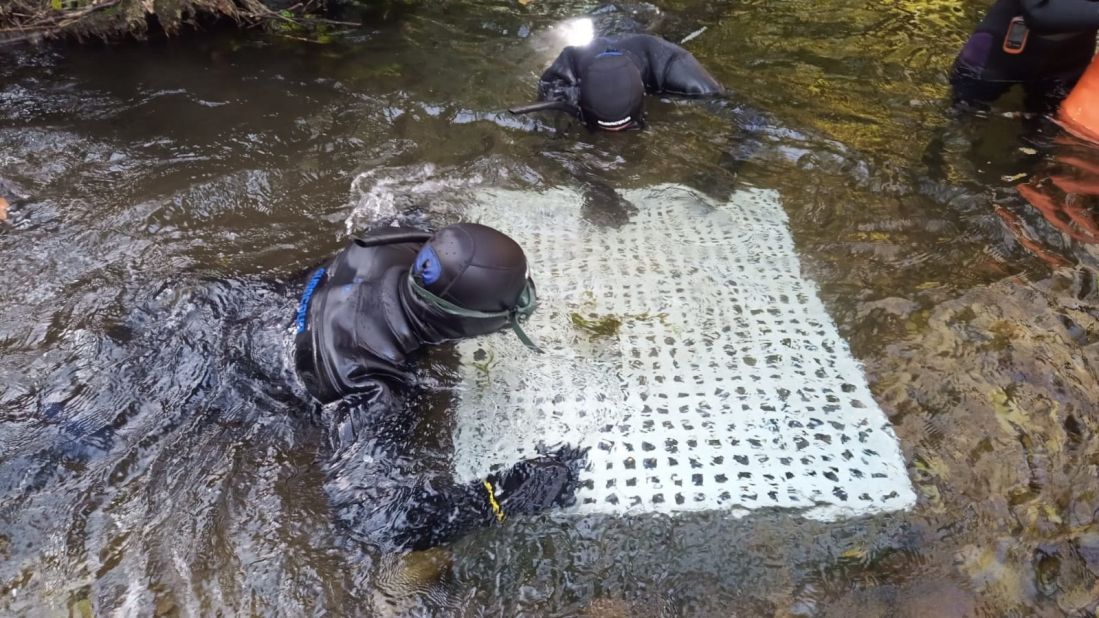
(391, 193)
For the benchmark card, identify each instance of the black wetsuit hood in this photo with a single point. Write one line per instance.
(366, 313)
(594, 82)
(612, 92)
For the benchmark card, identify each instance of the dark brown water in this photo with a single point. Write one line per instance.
(155, 457)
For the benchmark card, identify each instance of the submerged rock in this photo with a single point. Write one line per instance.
(10, 191)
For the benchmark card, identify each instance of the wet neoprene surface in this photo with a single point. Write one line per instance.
(664, 66)
(1053, 48)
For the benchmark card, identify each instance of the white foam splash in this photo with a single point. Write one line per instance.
(387, 193)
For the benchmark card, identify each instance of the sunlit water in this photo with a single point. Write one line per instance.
(157, 455)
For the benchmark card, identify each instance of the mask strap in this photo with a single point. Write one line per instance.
(527, 302)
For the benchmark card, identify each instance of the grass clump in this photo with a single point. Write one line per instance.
(35, 20)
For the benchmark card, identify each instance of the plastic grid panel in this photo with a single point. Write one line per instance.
(687, 351)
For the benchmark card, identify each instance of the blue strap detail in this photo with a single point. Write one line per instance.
(303, 306)
(609, 52)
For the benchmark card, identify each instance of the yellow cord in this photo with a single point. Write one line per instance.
(493, 503)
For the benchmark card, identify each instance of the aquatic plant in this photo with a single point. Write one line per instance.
(608, 325)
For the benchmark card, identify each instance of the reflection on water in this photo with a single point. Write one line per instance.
(166, 198)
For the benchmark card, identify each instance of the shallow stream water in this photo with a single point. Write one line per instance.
(168, 197)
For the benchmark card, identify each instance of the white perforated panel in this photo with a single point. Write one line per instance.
(686, 350)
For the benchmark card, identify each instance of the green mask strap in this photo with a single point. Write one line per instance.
(527, 302)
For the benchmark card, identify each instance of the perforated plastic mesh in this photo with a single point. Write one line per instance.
(686, 350)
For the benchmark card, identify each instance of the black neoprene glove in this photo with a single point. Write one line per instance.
(535, 485)
(428, 513)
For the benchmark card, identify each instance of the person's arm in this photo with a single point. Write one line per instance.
(560, 81)
(686, 77)
(669, 68)
(1061, 16)
(385, 496)
(436, 511)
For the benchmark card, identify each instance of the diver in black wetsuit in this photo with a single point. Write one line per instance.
(1044, 45)
(604, 82)
(360, 322)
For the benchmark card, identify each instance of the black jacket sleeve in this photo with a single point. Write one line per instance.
(668, 68)
(560, 81)
(379, 491)
(385, 494)
(1061, 16)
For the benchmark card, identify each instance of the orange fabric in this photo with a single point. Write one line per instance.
(1080, 164)
(1015, 226)
(1080, 109)
(1083, 219)
(1052, 212)
(1076, 186)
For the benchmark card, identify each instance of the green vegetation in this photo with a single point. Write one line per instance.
(484, 363)
(608, 325)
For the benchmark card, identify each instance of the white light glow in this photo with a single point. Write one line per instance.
(579, 31)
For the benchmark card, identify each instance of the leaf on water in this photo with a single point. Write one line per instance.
(855, 553)
(1013, 177)
(524, 2)
(1010, 417)
(1028, 151)
(55, 5)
